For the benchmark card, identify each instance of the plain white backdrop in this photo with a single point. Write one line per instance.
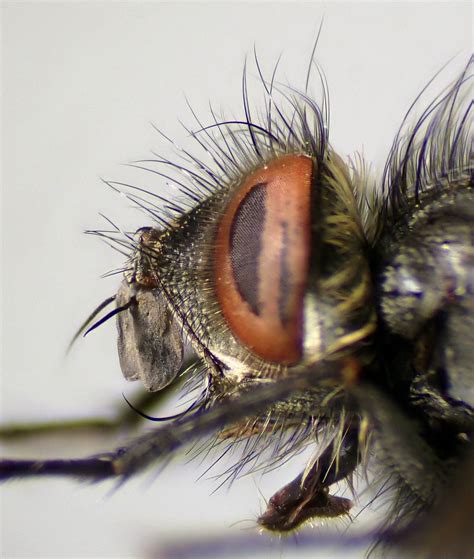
(81, 83)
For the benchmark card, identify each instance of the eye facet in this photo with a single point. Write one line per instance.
(261, 258)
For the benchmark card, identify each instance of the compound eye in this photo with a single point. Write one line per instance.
(261, 258)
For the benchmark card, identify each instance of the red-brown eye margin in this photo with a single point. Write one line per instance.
(262, 258)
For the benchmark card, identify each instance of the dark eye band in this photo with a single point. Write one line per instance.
(261, 257)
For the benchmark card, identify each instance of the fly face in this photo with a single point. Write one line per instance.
(268, 274)
(311, 333)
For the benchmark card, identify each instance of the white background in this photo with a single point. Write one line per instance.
(81, 83)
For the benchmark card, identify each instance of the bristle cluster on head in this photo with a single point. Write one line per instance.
(228, 149)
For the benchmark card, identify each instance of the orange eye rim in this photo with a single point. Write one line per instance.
(288, 182)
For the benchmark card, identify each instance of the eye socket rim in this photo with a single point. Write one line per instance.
(269, 342)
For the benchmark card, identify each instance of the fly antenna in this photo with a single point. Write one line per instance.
(85, 325)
